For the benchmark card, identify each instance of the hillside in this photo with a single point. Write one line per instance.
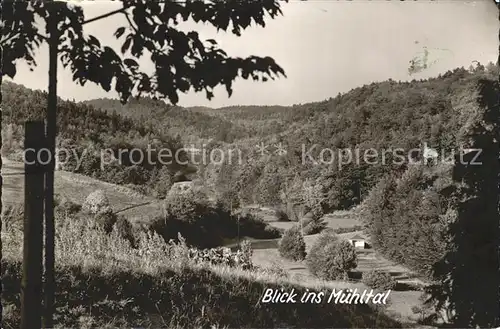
(381, 116)
(86, 133)
(388, 118)
(405, 209)
(384, 116)
(192, 126)
(76, 188)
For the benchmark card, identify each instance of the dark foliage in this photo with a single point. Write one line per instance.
(292, 245)
(354, 228)
(105, 220)
(282, 216)
(182, 61)
(379, 280)
(206, 225)
(467, 276)
(125, 230)
(331, 258)
(86, 132)
(407, 217)
(390, 117)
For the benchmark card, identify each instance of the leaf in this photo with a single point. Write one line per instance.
(119, 32)
(126, 44)
(130, 62)
(137, 46)
(9, 69)
(93, 40)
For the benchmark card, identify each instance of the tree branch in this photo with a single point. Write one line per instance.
(121, 10)
(130, 23)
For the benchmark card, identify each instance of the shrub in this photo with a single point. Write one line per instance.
(312, 223)
(124, 229)
(292, 245)
(96, 202)
(377, 279)
(67, 207)
(254, 226)
(223, 256)
(105, 220)
(312, 226)
(316, 256)
(330, 258)
(282, 216)
(354, 228)
(187, 207)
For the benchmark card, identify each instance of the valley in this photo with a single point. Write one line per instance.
(402, 211)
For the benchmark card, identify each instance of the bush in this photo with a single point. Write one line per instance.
(67, 207)
(96, 202)
(187, 207)
(377, 279)
(124, 229)
(315, 258)
(204, 224)
(282, 216)
(254, 226)
(354, 228)
(330, 258)
(292, 245)
(222, 256)
(105, 220)
(312, 226)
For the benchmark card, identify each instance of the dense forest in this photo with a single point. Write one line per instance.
(381, 116)
(88, 131)
(191, 126)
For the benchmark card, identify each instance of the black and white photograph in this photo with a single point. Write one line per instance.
(250, 164)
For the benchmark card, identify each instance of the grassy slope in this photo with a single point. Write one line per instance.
(77, 187)
(102, 281)
(401, 302)
(266, 255)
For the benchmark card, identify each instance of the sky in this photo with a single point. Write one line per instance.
(325, 47)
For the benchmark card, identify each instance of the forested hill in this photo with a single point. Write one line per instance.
(378, 111)
(192, 126)
(84, 128)
(381, 116)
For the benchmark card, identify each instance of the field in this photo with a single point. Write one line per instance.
(340, 219)
(266, 255)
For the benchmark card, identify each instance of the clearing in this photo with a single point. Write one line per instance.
(266, 255)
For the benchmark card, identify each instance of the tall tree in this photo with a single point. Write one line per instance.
(182, 61)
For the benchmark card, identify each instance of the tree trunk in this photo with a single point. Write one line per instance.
(49, 176)
(31, 285)
(1, 186)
